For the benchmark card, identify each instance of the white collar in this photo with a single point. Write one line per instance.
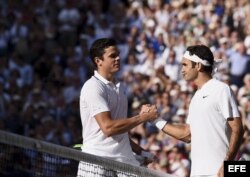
(100, 77)
(105, 81)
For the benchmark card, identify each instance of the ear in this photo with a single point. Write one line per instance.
(98, 61)
(199, 66)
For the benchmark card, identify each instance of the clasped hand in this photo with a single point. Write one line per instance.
(150, 110)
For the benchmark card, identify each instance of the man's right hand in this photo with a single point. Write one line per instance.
(149, 112)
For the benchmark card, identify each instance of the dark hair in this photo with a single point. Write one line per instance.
(98, 48)
(204, 53)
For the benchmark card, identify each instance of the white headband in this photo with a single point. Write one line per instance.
(195, 59)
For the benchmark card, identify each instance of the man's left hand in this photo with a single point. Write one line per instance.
(221, 172)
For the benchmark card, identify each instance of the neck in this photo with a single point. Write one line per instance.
(202, 79)
(106, 75)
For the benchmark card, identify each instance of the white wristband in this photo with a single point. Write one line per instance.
(160, 123)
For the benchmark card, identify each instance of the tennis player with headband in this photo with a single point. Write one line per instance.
(213, 125)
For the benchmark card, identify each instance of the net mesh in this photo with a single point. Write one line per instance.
(26, 157)
(22, 162)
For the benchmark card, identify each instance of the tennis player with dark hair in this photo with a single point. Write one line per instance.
(103, 109)
(213, 126)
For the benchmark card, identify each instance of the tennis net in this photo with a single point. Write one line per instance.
(27, 157)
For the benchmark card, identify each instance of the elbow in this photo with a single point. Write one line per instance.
(108, 128)
(109, 134)
(107, 131)
(186, 139)
(242, 131)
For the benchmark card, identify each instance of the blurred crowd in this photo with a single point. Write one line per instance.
(44, 62)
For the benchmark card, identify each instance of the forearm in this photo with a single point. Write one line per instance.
(112, 127)
(180, 131)
(235, 142)
(123, 125)
(234, 145)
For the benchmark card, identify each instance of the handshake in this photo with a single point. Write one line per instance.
(150, 113)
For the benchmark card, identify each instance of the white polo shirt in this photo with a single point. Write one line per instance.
(209, 110)
(100, 95)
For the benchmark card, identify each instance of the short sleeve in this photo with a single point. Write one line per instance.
(95, 98)
(228, 104)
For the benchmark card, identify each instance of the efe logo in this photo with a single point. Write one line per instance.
(236, 168)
